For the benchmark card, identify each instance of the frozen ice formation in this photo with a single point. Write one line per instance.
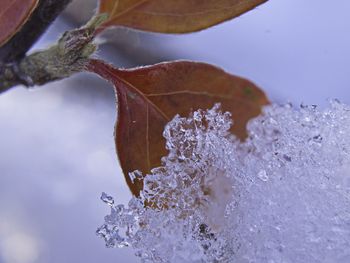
(283, 196)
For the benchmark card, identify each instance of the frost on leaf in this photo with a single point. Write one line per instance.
(281, 196)
(149, 97)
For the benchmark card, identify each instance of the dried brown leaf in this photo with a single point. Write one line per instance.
(13, 15)
(173, 16)
(150, 97)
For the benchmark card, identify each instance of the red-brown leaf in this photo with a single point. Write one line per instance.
(13, 15)
(173, 16)
(149, 97)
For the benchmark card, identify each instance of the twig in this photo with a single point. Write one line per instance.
(44, 14)
(63, 59)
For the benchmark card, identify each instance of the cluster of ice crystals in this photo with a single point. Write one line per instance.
(281, 196)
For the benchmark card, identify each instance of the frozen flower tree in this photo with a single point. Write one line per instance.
(281, 196)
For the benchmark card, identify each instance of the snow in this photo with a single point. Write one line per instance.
(281, 196)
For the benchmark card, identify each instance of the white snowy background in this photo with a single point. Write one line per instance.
(56, 145)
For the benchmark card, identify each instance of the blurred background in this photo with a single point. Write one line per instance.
(56, 146)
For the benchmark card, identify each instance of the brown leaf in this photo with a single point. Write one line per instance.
(150, 97)
(13, 15)
(173, 16)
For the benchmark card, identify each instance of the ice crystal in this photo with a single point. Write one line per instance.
(281, 196)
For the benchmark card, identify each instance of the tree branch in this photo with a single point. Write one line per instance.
(63, 59)
(44, 14)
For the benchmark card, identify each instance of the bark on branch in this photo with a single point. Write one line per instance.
(61, 60)
(45, 13)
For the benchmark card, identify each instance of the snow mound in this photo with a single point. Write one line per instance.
(281, 196)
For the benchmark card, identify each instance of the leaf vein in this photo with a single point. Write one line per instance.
(147, 139)
(214, 10)
(127, 10)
